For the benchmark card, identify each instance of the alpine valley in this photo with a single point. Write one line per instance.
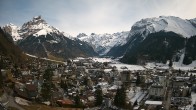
(149, 40)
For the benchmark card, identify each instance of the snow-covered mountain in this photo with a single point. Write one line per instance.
(165, 23)
(155, 39)
(36, 27)
(102, 43)
(38, 38)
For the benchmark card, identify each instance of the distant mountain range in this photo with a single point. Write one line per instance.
(151, 39)
(102, 43)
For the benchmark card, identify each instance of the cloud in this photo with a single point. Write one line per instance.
(98, 16)
(102, 16)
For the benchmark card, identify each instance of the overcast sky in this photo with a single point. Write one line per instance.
(93, 16)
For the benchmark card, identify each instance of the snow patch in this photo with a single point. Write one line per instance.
(45, 58)
(149, 102)
(21, 101)
(53, 41)
(47, 102)
(102, 60)
(102, 43)
(41, 32)
(120, 67)
(164, 23)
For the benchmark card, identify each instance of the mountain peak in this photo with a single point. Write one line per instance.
(37, 17)
(36, 27)
(80, 35)
(36, 23)
(10, 24)
(164, 23)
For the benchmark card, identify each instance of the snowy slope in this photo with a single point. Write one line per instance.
(102, 43)
(13, 31)
(164, 23)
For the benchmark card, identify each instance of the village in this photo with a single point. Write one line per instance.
(84, 83)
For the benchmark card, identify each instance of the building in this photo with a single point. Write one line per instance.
(156, 91)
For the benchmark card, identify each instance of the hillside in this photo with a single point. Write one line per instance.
(7, 48)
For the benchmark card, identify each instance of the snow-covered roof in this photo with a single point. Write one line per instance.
(148, 102)
(136, 97)
(113, 87)
(141, 97)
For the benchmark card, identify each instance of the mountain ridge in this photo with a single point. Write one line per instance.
(102, 43)
(146, 26)
(165, 23)
(118, 44)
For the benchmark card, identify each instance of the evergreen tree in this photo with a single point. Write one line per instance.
(117, 98)
(85, 81)
(78, 103)
(187, 60)
(1, 76)
(179, 71)
(2, 64)
(123, 96)
(170, 63)
(1, 79)
(45, 91)
(98, 96)
(63, 85)
(138, 80)
(120, 97)
(47, 85)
